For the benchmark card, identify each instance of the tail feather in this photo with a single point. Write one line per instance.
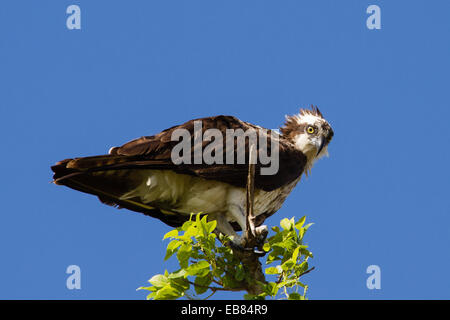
(109, 177)
(67, 167)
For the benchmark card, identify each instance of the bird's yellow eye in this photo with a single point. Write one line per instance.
(310, 129)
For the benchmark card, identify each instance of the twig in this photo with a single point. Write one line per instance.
(307, 271)
(214, 289)
(212, 293)
(280, 276)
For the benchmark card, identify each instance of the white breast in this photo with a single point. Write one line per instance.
(188, 194)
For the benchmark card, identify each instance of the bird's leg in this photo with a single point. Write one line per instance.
(260, 233)
(237, 213)
(224, 227)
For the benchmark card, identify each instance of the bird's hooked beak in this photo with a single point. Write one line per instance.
(321, 145)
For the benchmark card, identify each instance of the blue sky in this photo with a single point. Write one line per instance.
(138, 67)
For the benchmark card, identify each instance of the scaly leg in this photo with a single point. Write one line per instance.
(237, 213)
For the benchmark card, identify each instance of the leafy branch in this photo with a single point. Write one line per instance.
(208, 264)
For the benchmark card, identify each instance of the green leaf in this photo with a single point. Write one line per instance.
(301, 233)
(167, 293)
(303, 266)
(174, 244)
(152, 288)
(183, 255)
(292, 222)
(172, 248)
(240, 273)
(274, 255)
(211, 226)
(151, 295)
(171, 234)
(300, 223)
(266, 247)
(307, 226)
(177, 274)
(294, 296)
(285, 224)
(276, 238)
(186, 225)
(306, 253)
(287, 244)
(288, 283)
(202, 283)
(229, 281)
(274, 270)
(192, 231)
(159, 280)
(295, 254)
(198, 268)
(287, 265)
(202, 226)
(180, 284)
(271, 289)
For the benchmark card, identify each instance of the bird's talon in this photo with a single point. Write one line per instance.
(259, 252)
(236, 246)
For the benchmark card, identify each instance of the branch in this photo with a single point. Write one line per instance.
(214, 289)
(280, 277)
(307, 271)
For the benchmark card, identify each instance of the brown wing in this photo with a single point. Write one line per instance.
(159, 147)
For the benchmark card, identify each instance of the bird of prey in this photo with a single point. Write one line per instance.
(143, 175)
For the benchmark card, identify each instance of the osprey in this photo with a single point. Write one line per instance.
(143, 176)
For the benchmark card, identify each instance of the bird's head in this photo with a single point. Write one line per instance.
(309, 132)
